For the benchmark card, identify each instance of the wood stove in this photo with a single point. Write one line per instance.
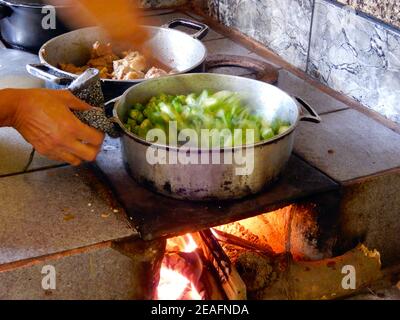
(209, 244)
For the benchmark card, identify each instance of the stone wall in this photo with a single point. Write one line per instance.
(346, 49)
(385, 10)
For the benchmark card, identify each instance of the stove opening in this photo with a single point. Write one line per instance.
(284, 254)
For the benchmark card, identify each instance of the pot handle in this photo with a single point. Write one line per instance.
(5, 11)
(109, 113)
(201, 28)
(109, 109)
(44, 72)
(311, 116)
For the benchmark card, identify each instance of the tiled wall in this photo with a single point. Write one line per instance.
(356, 56)
(282, 25)
(348, 51)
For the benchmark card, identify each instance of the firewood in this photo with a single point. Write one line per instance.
(239, 242)
(231, 282)
(212, 287)
(283, 278)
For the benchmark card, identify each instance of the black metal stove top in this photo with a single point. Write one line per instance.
(155, 216)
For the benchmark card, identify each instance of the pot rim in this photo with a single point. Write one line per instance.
(42, 51)
(201, 150)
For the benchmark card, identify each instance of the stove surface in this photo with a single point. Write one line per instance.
(155, 215)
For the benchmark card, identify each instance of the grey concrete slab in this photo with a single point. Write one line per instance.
(369, 212)
(92, 273)
(234, 71)
(102, 274)
(56, 210)
(347, 145)
(225, 46)
(156, 12)
(319, 100)
(258, 57)
(194, 16)
(15, 152)
(165, 18)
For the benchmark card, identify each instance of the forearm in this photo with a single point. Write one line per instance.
(8, 105)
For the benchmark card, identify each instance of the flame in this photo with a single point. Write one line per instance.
(174, 285)
(190, 244)
(194, 294)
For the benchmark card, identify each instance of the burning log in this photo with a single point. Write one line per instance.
(188, 264)
(230, 280)
(213, 288)
(282, 278)
(181, 270)
(185, 273)
(239, 242)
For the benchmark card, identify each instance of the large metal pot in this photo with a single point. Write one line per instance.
(23, 23)
(176, 49)
(211, 181)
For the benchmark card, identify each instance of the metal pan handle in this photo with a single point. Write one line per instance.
(311, 116)
(201, 28)
(44, 72)
(109, 108)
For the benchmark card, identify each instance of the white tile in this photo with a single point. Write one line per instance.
(281, 25)
(357, 57)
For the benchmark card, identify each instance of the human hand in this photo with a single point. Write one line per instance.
(44, 118)
(120, 19)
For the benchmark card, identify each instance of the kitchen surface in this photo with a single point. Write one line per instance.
(107, 235)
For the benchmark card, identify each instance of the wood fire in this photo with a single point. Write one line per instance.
(271, 256)
(180, 271)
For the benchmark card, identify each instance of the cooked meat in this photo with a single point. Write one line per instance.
(155, 73)
(132, 65)
(69, 67)
(133, 75)
(100, 50)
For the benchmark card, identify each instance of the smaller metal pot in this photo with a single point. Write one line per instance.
(23, 24)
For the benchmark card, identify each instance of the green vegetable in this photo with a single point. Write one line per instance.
(223, 111)
(136, 115)
(145, 126)
(132, 122)
(139, 106)
(283, 129)
(267, 133)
